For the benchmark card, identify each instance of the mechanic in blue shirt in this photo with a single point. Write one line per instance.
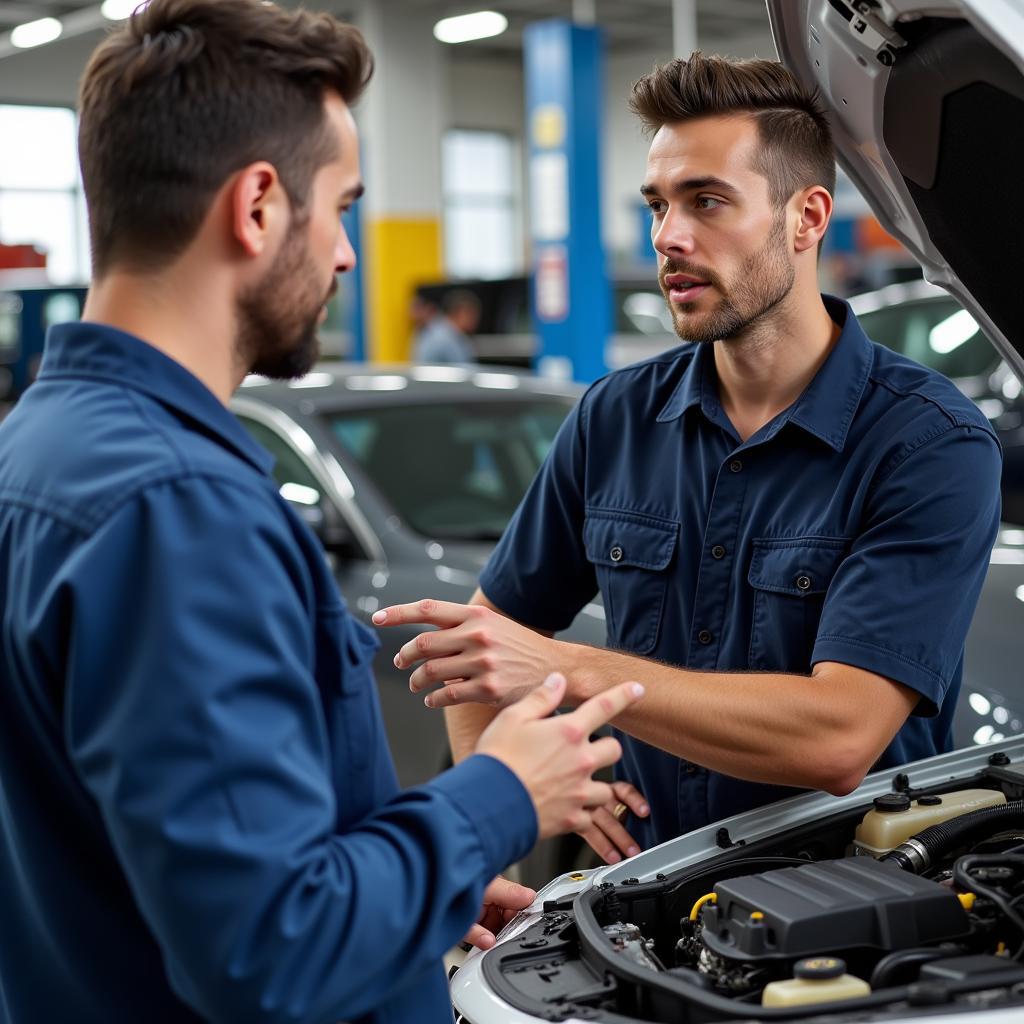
(792, 523)
(199, 817)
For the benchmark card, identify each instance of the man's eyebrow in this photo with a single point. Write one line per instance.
(692, 184)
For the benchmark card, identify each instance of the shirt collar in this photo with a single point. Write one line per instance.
(106, 353)
(827, 405)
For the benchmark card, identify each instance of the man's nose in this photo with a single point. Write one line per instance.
(344, 254)
(673, 236)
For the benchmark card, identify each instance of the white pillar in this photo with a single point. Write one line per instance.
(684, 27)
(401, 120)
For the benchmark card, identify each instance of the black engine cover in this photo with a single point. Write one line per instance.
(830, 907)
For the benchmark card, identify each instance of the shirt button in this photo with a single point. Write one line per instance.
(691, 769)
(735, 466)
(615, 554)
(803, 582)
(718, 551)
(704, 636)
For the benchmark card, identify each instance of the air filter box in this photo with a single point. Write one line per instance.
(831, 907)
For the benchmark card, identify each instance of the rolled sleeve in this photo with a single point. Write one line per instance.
(901, 602)
(543, 541)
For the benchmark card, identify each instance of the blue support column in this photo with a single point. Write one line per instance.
(571, 293)
(351, 287)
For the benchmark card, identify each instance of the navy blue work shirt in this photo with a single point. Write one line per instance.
(853, 527)
(199, 817)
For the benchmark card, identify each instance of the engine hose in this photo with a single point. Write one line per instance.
(919, 852)
(889, 969)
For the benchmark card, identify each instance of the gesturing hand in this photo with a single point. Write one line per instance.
(607, 836)
(554, 757)
(503, 899)
(475, 656)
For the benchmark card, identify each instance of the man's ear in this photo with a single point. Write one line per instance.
(814, 208)
(259, 208)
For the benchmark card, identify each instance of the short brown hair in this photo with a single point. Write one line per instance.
(796, 148)
(187, 92)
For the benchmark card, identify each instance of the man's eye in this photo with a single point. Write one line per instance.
(657, 207)
(708, 202)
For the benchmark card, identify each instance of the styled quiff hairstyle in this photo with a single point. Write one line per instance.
(796, 148)
(186, 93)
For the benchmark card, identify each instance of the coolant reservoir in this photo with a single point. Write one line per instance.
(821, 979)
(895, 818)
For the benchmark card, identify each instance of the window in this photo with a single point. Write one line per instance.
(936, 332)
(453, 470)
(41, 200)
(481, 204)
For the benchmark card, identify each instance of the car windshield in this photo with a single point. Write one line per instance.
(455, 470)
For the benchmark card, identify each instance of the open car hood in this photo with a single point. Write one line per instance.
(927, 107)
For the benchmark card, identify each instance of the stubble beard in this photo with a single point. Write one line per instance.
(277, 319)
(764, 280)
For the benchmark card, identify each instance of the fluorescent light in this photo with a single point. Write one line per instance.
(118, 10)
(313, 380)
(504, 381)
(36, 33)
(466, 27)
(300, 494)
(449, 374)
(980, 705)
(375, 382)
(949, 334)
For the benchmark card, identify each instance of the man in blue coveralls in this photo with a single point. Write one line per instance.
(790, 522)
(199, 817)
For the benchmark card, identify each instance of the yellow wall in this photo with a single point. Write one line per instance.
(403, 252)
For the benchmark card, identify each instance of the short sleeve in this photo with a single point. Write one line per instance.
(539, 573)
(901, 602)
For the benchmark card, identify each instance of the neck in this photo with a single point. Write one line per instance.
(183, 313)
(765, 369)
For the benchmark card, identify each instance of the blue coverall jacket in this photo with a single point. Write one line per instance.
(199, 816)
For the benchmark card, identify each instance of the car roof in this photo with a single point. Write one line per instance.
(336, 385)
(897, 294)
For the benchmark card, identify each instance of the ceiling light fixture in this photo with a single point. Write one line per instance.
(118, 10)
(466, 27)
(36, 33)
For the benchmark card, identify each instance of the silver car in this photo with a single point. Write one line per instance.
(408, 475)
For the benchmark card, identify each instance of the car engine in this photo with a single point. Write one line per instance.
(915, 901)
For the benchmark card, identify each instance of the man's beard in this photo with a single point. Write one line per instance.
(278, 318)
(763, 281)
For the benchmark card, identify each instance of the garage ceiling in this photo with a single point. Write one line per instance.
(628, 24)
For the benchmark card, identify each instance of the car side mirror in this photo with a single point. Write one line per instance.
(331, 529)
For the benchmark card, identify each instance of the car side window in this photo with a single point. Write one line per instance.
(294, 478)
(939, 334)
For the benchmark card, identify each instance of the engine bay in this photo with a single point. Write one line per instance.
(913, 902)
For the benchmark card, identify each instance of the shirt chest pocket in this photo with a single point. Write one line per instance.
(631, 556)
(790, 579)
(344, 669)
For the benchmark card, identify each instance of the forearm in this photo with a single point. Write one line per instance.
(766, 727)
(465, 724)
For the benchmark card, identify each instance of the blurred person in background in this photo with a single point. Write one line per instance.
(445, 338)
